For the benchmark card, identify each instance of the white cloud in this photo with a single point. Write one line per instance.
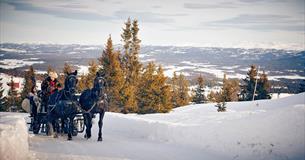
(171, 22)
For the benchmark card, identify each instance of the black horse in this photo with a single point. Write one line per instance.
(94, 101)
(62, 105)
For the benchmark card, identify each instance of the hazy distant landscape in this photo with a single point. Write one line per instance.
(285, 68)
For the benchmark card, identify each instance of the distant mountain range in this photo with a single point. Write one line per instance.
(284, 67)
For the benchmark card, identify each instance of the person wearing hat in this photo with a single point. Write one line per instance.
(51, 84)
(48, 87)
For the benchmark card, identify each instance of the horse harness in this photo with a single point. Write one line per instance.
(98, 102)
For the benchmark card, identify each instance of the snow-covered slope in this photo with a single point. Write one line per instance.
(14, 137)
(266, 129)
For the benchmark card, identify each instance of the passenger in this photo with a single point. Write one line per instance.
(48, 87)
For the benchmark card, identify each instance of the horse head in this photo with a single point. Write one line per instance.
(99, 83)
(70, 82)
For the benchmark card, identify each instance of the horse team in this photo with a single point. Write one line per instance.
(63, 106)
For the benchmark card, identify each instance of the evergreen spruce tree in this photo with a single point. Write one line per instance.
(154, 93)
(131, 65)
(174, 90)
(111, 67)
(67, 68)
(263, 87)
(179, 90)
(165, 92)
(147, 101)
(248, 88)
(81, 84)
(93, 68)
(183, 89)
(212, 96)
(135, 46)
(12, 97)
(50, 69)
(116, 85)
(230, 89)
(2, 98)
(199, 96)
(126, 39)
(129, 99)
(29, 82)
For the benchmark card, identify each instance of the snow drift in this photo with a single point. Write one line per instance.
(14, 137)
(265, 129)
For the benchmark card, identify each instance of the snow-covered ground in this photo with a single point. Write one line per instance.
(265, 129)
(5, 79)
(14, 144)
(16, 63)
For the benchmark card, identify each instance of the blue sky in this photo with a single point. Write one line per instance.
(162, 22)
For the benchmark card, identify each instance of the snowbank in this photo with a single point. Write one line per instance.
(266, 129)
(259, 130)
(13, 137)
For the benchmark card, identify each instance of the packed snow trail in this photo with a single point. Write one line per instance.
(265, 129)
(114, 147)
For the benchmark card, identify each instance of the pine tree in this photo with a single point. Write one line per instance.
(183, 89)
(129, 99)
(165, 92)
(67, 68)
(29, 82)
(174, 90)
(154, 93)
(131, 65)
(12, 98)
(111, 67)
(179, 90)
(2, 98)
(135, 43)
(81, 84)
(248, 88)
(116, 85)
(230, 89)
(263, 87)
(215, 96)
(147, 101)
(50, 69)
(199, 91)
(126, 38)
(104, 60)
(93, 68)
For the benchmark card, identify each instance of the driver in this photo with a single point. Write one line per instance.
(48, 87)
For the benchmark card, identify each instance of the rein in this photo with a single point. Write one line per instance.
(59, 95)
(84, 111)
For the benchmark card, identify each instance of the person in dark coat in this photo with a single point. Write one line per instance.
(48, 87)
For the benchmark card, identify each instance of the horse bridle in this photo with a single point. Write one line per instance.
(68, 80)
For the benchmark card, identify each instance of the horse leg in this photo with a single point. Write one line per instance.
(50, 127)
(70, 128)
(55, 128)
(88, 124)
(63, 127)
(100, 125)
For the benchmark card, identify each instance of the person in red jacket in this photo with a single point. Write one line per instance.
(48, 87)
